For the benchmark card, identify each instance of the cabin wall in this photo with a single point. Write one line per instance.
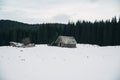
(67, 45)
(70, 45)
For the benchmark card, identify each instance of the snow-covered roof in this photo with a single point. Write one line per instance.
(16, 44)
(66, 40)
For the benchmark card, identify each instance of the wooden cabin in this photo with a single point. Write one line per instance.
(66, 41)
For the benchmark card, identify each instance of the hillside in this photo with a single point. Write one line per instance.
(103, 33)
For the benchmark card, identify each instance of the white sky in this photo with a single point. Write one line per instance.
(60, 11)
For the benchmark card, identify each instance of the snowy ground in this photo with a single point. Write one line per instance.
(86, 62)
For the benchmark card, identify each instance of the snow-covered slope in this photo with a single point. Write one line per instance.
(86, 62)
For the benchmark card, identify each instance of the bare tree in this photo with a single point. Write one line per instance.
(26, 41)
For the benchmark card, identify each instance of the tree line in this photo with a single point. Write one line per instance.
(103, 33)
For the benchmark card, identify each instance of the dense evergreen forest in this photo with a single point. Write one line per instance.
(103, 33)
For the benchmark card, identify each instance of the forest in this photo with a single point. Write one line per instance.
(102, 33)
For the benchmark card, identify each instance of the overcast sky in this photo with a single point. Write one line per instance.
(60, 11)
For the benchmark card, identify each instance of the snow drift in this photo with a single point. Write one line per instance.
(86, 62)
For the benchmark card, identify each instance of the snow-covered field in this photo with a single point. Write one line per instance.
(86, 62)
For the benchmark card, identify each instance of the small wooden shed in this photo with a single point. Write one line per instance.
(66, 41)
